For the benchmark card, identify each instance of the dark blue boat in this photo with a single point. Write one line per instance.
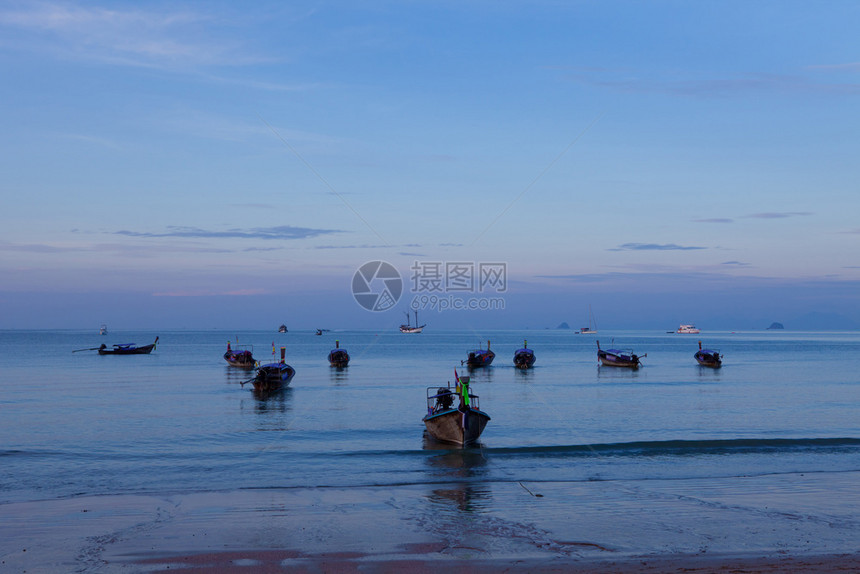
(524, 358)
(479, 358)
(708, 357)
(338, 357)
(273, 377)
(619, 358)
(128, 349)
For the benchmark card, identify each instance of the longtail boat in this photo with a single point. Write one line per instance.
(272, 377)
(524, 358)
(241, 357)
(338, 357)
(461, 425)
(479, 358)
(708, 357)
(127, 349)
(619, 358)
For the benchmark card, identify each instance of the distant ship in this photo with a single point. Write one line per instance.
(407, 328)
(688, 329)
(589, 330)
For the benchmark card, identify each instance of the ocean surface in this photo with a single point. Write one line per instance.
(785, 406)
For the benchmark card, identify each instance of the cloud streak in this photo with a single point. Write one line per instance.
(778, 214)
(654, 247)
(283, 232)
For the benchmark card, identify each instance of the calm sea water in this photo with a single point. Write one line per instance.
(178, 420)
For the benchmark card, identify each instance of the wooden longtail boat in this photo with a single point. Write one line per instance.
(128, 349)
(241, 357)
(708, 358)
(272, 377)
(619, 358)
(461, 425)
(479, 358)
(338, 357)
(524, 358)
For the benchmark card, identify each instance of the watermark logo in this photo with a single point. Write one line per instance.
(377, 286)
(436, 285)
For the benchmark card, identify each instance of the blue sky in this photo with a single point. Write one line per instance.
(225, 164)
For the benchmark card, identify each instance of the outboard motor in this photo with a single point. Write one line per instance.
(445, 398)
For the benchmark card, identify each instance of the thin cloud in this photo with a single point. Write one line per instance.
(203, 293)
(365, 246)
(284, 232)
(715, 220)
(654, 247)
(778, 214)
(735, 263)
(132, 37)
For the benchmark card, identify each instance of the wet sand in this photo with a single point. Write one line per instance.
(742, 524)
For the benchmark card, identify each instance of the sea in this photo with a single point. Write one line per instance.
(770, 441)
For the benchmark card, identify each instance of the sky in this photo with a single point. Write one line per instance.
(233, 165)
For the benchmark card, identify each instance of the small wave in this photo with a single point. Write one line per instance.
(638, 448)
(685, 447)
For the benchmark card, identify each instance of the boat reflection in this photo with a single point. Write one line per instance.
(264, 403)
(339, 375)
(466, 467)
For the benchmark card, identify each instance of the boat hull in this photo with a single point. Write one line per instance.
(242, 360)
(456, 427)
(338, 358)
(128, 349)
(411, 329)
(477, 360)
(613, 360)
(524, 359)
(708, 360)
(273, 377)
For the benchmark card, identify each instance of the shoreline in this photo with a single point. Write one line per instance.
(266, 561)
(795, 524)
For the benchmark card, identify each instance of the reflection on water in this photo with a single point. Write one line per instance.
(235, 375)
(466, 497)
(468, 467)
(339, 375)
(480, 375)
(525, 375)
(622, 373)
(269, 406)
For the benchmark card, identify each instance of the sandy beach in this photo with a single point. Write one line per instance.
(546, 527)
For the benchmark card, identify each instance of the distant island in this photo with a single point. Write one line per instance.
(563, 326)
(775, 325)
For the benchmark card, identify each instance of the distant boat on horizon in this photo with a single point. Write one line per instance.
(688, 329)
(407, 328)
(589, 330)
(103, 329)
(282, 329)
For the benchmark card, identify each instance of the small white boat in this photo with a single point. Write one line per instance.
(592, 325)
(688, 329)
(103, 330)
